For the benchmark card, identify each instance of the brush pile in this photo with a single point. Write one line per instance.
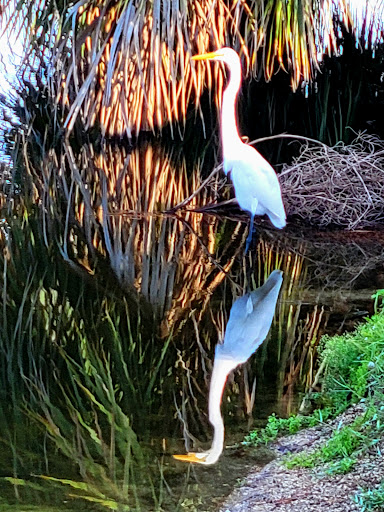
(341, 186)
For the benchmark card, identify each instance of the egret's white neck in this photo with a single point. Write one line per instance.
(221, 369)
(229, 133)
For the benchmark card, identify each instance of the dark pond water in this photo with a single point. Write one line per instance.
(107, 346)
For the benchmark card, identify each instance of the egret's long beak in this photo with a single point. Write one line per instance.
(206, 56)
(190, 457)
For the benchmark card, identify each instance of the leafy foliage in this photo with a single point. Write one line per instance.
(354, 363)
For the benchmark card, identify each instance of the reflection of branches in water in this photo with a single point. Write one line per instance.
(347, 265)
(198, 275)
(341, 185)
(339, 260)
(207, 182)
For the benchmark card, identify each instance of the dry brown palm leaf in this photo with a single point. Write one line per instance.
(129, 65)
(124, 65)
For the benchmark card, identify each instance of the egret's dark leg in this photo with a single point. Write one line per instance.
(250, 234)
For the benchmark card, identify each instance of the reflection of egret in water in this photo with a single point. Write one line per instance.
(257, 187)
(249, 322)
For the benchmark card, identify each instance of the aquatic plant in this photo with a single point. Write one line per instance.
(76, 368)
(88, 424)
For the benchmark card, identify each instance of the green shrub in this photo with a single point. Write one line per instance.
(354, 363)
(344, 379)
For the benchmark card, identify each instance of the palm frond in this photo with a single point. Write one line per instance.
(133, 60)
(124, 65)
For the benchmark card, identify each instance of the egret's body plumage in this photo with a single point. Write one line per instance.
(249, 322)
(257, 187)
(258, 195)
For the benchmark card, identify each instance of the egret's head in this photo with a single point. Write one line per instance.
(206, 458)
(226, 55)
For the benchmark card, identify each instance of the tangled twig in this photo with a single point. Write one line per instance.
(341, 185)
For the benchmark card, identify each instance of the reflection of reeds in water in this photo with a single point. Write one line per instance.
(120, 199)
(77, 360)
(75, 363)
(297, 327)
(283, 338)
(144, 245)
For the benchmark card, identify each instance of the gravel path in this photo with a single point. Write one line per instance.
(275, 488)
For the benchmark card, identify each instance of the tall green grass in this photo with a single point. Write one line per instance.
(354, 362)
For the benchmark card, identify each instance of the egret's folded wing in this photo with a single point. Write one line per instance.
(257, 180)
(250, 320)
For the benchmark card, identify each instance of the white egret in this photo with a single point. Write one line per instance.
(257, 187)
(249, 322)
